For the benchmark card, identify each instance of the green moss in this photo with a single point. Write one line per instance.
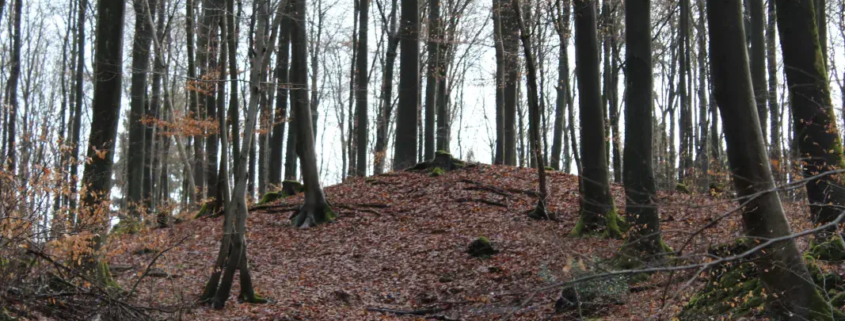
(205, 209)
(271, 197)
(681, 188)
(734, 289)
(311, 218)
(838, 301)
(102, 274)
(255, 299)
(126, 226)
(830, 250)
(481, 247)
(549, 168)
(436, 172)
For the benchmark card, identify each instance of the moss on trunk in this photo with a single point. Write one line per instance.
(613, 227)
(309, 216)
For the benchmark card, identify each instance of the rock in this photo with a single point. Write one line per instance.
(481, 247)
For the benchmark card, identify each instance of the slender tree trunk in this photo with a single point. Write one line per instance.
(598, 213)
(783, 272)
(361, 96)
(407, 117)
(757, 59)
(498, 38)
(78, 105)
(703, 151)
(561, 24)
(277, 138)
(533, 110)
(433, 77)
(771, 95)
(192, 86)
(315, 210)
(138, 105)
(387, 94)
(12, 97)
(510, 53)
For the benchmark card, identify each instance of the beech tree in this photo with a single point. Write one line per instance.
(642, 217)
(96, 180)
(597, 213)
(813, 119)
(783, 273)
(406, 117)
(316, 209)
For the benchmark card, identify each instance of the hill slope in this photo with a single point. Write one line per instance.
(400, 243)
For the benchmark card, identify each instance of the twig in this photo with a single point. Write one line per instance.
(409, 312)
(479, 200)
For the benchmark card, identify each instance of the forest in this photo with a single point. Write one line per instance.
(422, 160)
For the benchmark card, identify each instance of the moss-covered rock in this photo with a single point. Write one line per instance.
(127, 225)
(681, 188)
(481, 247)
(289, 188)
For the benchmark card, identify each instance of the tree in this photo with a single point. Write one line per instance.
(277, 137)
(236, 211)
(534, 112)
(561, 24)
(138, 102)
(758, 60)
(813, 119)
(316, 209)
(12, 88)
(363, 80)
(78, 105)
(498, 38)
(783, 272)
(640, 191)
(383, 121)
(598, 213)
(96, 180)
(510, 78)
(774, 109)
(407, 117)
(433, 77)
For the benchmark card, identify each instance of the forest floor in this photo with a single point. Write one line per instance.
(400, 243)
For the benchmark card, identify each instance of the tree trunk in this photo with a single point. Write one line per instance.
(533, 110)
(433, 77)
(191, 82)
(277, 138)
(407, 117)
(12, 97)
(562, 27)
(598, 213)
(387, 94)
(315, 210)
(237, 259)
(78, 106)
(821, 23)
(783, 272)
(498, 38)
(757, 59)
(510, 46)
(108, 64)
(138, 96)
(813, 117)
(774, 109)
(642, 216)
(361, 96)
(703, 150)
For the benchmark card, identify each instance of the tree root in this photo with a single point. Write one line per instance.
(310, 216)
